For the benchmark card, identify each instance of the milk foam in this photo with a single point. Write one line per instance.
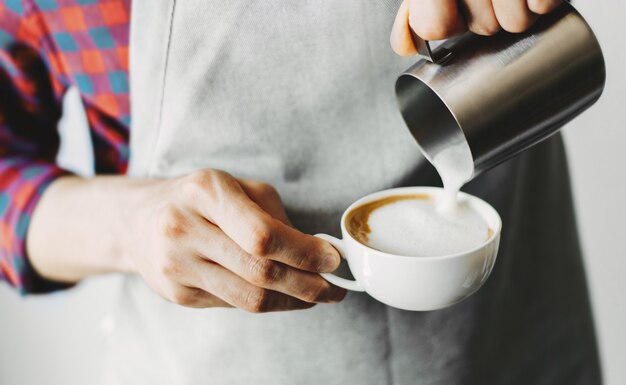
(416, 227)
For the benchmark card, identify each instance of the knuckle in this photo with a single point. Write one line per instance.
(309, 258)
(264, 272)
(263, 190)
(201, 177)
(485, 29)
(540, 7)
(182, 297)
(516, 24)
(205, 180)
(261, 238)
(435, 31)
(316, 294)
(173, 223)
(169, 267)
(305, 260)
(257, 301)
(267, 190)
(197, 180)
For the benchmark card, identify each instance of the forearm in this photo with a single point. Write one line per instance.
(205, 239)
(79, 227)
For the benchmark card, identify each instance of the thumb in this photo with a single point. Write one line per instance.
(401, 39)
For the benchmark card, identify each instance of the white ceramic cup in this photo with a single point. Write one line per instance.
(417, 283)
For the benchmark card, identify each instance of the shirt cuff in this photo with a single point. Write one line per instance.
(21, 196)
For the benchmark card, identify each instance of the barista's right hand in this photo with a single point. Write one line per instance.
(441, 19)
(211, 240)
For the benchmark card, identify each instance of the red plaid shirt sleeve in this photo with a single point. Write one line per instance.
(45, 47)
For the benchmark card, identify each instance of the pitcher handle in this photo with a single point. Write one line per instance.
(424, 49)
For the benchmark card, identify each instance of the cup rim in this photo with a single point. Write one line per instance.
(484, 208)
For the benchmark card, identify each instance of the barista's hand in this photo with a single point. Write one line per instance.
(440, 19)
(210, 240)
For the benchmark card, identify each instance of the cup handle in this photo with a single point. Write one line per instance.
(332, 278)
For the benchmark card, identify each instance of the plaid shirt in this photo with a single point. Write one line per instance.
(47, 46)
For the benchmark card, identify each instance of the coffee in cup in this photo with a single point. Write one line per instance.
(409, 251)
(416, 225)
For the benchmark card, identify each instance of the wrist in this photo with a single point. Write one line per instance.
(133, 200)
(85, 227)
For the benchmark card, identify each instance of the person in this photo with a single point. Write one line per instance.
(253, 126)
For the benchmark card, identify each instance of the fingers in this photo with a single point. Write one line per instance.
(225, 203)
(480, 17)
(435, 19)
(541, 7)
(235, 291)
(513, 15)
(264, 272)
(212, 240)
(401, 40)
(441, 19)
(274, 240)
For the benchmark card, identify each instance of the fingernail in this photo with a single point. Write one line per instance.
(329, 263)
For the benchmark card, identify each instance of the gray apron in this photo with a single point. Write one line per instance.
(300, 94)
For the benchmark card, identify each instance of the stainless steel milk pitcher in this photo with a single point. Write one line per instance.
(492, 97)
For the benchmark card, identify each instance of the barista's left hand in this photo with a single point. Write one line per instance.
(441, 19)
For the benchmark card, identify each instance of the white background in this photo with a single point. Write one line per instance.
(59, 338)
